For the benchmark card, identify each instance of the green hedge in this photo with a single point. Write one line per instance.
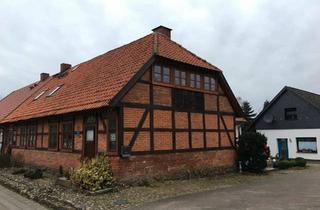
(298, 162)
(285, 164)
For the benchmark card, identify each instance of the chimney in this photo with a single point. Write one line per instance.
(163, 30)
(44, 76)
(64, 67)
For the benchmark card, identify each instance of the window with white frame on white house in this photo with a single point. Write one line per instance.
(307, 145)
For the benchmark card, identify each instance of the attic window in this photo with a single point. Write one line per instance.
(39, 95)
(54, 90)
(161, 74)
(290, 114)
(209, 83)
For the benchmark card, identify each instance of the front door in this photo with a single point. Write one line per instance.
(283, 149)
(90, 137)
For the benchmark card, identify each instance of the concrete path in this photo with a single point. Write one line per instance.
(10, 200)
(298, 190)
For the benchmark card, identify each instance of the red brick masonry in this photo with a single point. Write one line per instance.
(48, 158)
(154, 165)
(146, 165)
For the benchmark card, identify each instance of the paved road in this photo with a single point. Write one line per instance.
(293, 191)
(12, 201)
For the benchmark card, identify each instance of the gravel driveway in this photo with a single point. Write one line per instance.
(296, 189)
(12, 201)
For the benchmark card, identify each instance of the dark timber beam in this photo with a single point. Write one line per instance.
(135, 135)
(225, 126)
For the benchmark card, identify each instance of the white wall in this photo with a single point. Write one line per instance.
(291, 135)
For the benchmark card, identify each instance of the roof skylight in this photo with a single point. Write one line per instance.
(54, 90)
(39, 95)
(74, 68)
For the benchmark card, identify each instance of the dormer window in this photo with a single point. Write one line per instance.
(290, 114)
(39, 95)
(54, 90)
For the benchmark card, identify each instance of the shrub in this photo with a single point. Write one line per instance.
(285, 164)
(253, 151)
(34, 173)
(5, 161)
(93, 174)
(300, 162)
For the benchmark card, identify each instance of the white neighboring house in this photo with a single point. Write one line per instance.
(291, 122)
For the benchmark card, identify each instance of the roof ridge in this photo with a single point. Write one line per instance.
(293, 88)
(32, 94)
(26, 86)
(193, 54)
(114, 49)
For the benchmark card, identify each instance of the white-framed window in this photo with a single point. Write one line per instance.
(307, 145)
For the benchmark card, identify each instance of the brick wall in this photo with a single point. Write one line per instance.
(196, 121)
(162, 119)
(197, 140)
(211, 121)
(138, 94)
(48, 158)
(181, 119)
(156, 165)
(182, 140)
(163, 141)
(229, 120)
(162, 95)
(142, 142)
(210, 102)
(224, 104)
(132, 116)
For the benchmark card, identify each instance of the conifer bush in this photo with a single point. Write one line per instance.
(253, 152)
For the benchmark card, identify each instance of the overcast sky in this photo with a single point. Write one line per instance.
(260, 45)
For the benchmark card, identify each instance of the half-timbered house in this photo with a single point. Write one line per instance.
(151, 105)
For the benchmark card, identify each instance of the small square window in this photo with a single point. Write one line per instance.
(290, 114)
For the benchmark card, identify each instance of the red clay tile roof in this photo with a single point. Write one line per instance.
(92, 84)
(17, 97)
